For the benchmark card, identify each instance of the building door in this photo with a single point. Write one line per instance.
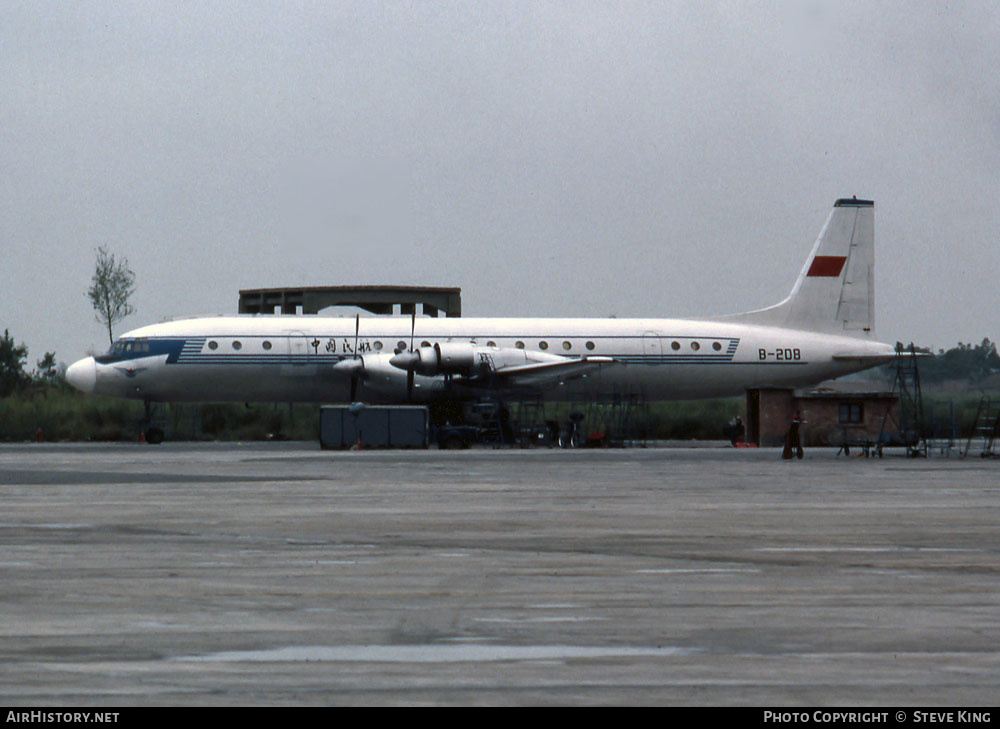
(753, 417)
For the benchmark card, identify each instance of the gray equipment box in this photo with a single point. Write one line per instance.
(396, 426)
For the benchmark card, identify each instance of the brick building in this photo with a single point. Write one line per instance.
(850, 412)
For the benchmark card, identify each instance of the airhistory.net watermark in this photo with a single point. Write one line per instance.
(62, 717)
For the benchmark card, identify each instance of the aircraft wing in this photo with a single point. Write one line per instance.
(533, 374)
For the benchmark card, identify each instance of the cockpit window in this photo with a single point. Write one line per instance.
(129, 346)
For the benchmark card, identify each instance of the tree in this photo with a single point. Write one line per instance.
(111, 289)
(964, 362)
(47, 369)
(12, 359)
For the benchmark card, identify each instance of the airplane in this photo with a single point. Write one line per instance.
(822, 330)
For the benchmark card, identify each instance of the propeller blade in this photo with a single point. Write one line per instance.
(359, 363)
(357, 327)
(410, 359)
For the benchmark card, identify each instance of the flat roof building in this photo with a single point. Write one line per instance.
(376, 299)
(832, 416)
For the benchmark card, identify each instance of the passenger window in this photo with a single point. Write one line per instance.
(543, 345)
(590, 345)
(675, 346)
(695, 346)
(491, 343)
(237, 345)
(567, 346)
(716, 346)
(519, 345)
(213, 345)
(266, 345)
(377, 345)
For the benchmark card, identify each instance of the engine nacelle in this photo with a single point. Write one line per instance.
(444, 358)
(456, 356)
(427, 362)
(381, 376)
(464, 358)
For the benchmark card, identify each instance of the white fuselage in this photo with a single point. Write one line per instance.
(292, 358)
(823, 329)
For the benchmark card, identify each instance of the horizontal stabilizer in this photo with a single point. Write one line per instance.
(872, 358)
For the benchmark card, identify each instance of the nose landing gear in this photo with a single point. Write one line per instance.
(151, 432)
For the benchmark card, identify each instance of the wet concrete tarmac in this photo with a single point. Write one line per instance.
(280, 574)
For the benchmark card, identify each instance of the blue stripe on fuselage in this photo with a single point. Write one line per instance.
(148, 348)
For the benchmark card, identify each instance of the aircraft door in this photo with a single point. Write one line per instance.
(652, 348)
(655, 376)
(297, 348)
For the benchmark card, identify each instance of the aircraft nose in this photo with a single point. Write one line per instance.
(83, 374)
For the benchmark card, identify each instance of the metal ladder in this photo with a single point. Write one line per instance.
(908, 420)
(944, 432)
(987, 427)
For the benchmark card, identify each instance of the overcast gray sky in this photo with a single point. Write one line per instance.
(551, 158)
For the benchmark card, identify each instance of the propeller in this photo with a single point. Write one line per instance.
(409, 373)
(357, 369)
(354, 366)
(408, 360)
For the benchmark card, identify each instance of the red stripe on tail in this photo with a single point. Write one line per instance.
(827, 266)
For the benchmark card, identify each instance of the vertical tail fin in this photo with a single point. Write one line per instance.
(835, 291)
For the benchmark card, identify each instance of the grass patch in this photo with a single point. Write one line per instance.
(63, 414)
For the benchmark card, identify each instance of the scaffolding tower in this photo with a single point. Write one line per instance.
(986, 428)
(611, 419)
(618, 419)
(906, 425)
(944, 433)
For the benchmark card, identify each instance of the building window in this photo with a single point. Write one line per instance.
(852, 413)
